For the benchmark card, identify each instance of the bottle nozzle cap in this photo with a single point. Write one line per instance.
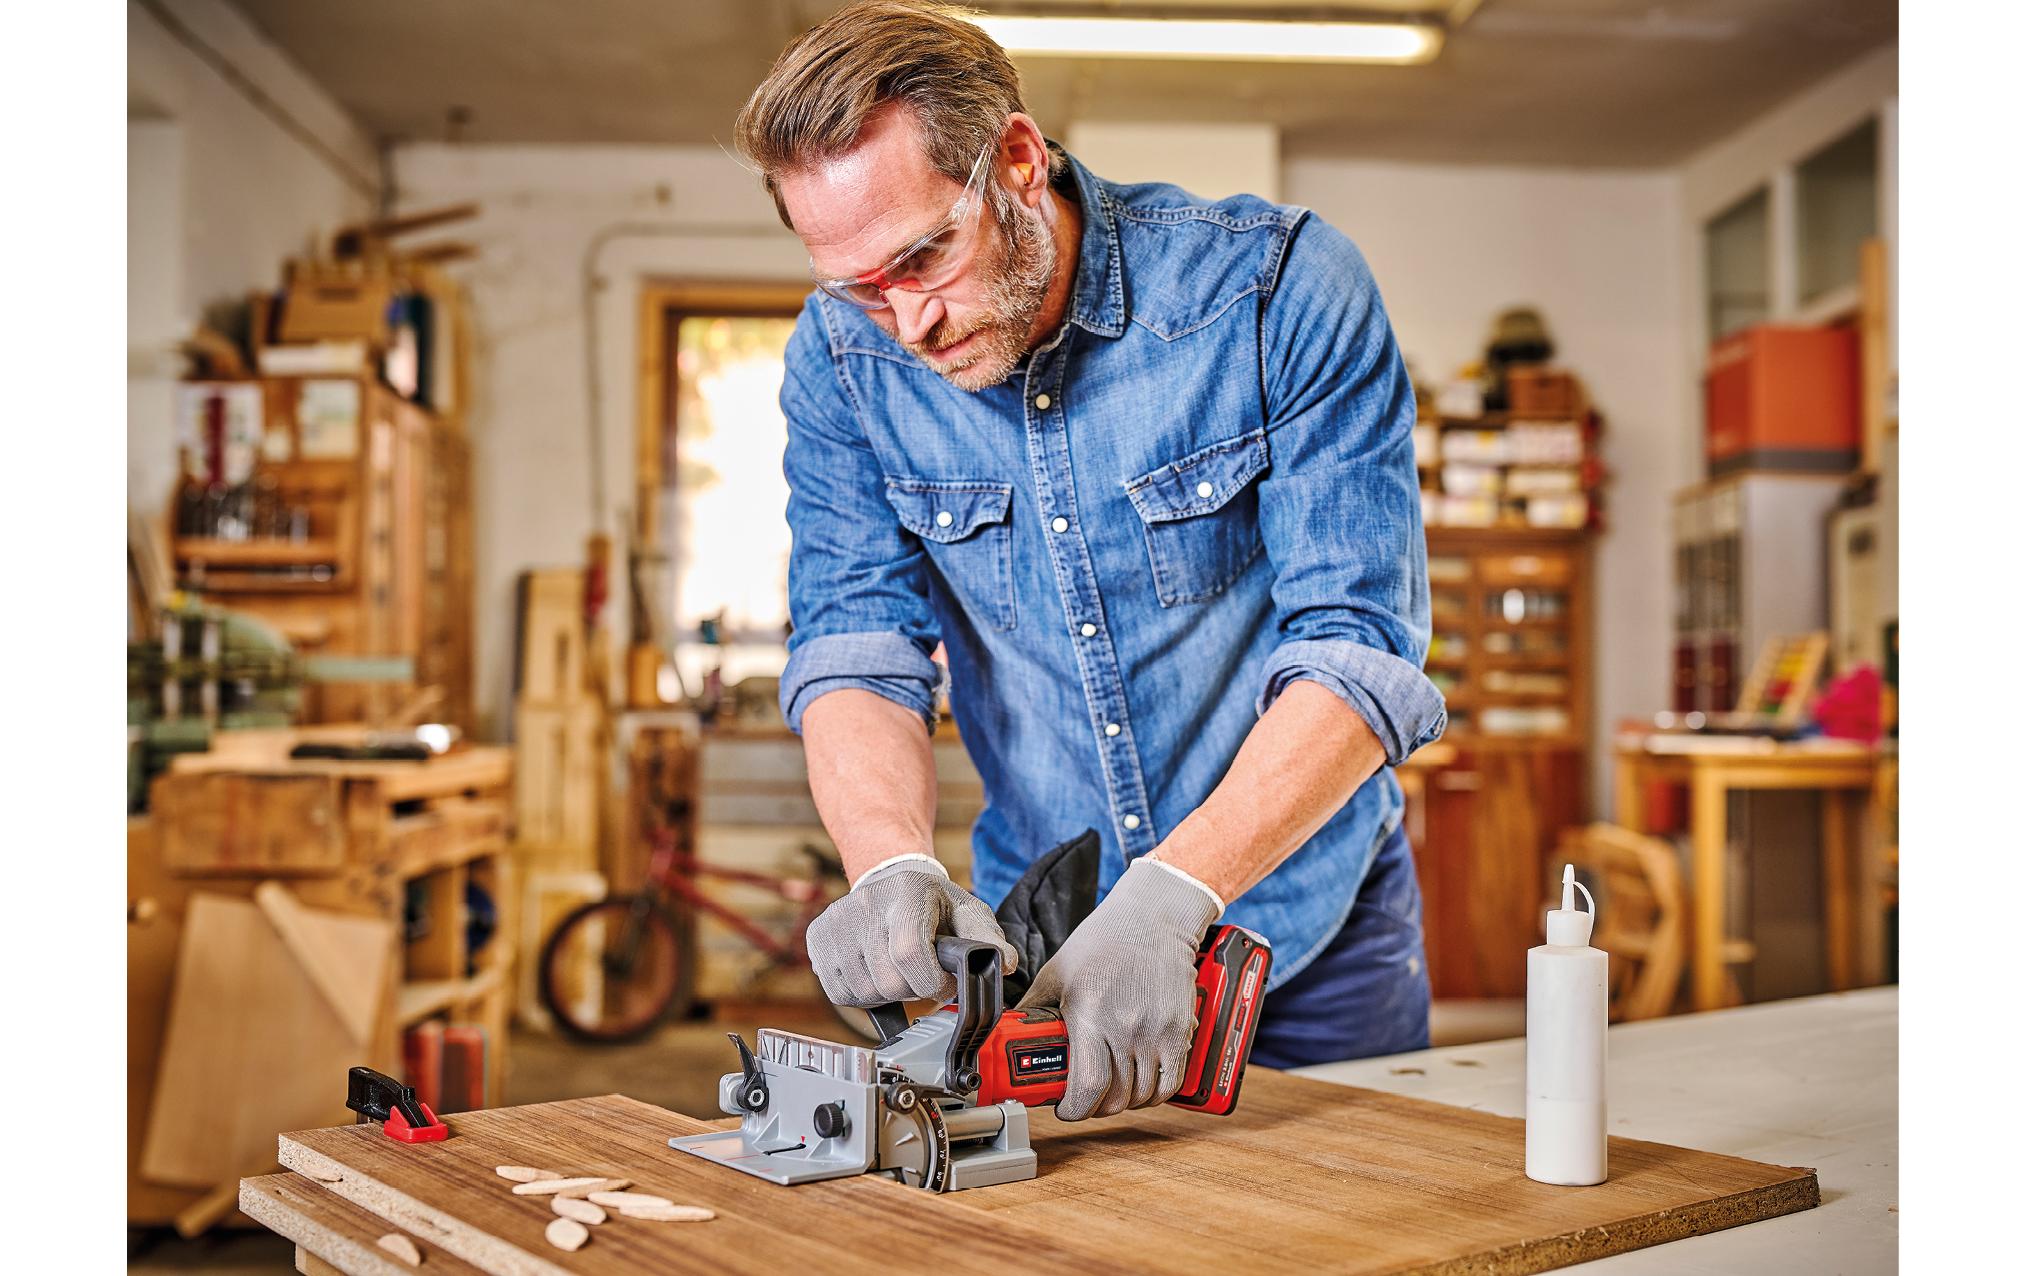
(1570, 926)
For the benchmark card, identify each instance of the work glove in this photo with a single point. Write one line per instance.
(1125, 981)
(877, 943)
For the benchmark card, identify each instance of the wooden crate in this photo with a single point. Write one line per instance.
(560, 783)
(551, 662)
(442, 823)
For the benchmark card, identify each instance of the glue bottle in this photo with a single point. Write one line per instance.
(1566, 1010)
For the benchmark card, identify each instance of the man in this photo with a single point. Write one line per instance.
(1142, 463)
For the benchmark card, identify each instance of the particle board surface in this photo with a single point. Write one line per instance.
(335, 1230)
(1305, 1175)
(448, 1194)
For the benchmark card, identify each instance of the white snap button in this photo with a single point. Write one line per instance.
(1059, 524)
(1204, 489)
(1131, 821)
(1087, 629)
(943, 518)
(1042, 402)
(1111, 728)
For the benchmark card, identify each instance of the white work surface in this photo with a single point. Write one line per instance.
(1809, 1082)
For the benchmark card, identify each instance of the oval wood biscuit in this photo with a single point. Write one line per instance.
(567, 1233)
(550, 1187)
(669, 1213)
(581, 1210)
(626, 1200)
(401, 1247)
(525, 1173)
(588, 1186)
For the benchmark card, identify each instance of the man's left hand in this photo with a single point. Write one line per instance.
(1125, 981)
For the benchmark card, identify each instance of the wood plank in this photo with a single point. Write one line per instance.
(335, 1231)
(449, 1192)
(252, 1048)
(344, 957)
(1313, 1176)
(1307, 1175)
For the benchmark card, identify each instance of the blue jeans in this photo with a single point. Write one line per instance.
(1367, 992)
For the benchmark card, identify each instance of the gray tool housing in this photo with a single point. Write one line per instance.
(811, 1083)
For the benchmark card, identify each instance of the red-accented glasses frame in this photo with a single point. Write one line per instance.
(868, 291)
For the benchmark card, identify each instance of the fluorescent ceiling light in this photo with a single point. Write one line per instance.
(1214, 39)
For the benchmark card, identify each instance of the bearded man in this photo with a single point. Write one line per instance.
(1142, 464)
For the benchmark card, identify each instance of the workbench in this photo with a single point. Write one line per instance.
(1370, 1175)
(1847, 775)
(1812, 1081)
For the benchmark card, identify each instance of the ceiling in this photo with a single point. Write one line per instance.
(1590, 83)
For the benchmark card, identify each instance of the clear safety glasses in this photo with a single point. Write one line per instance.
(931, 261)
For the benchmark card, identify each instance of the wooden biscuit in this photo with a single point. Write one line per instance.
(567, 1233)
(581, 1210)
(401, 1247)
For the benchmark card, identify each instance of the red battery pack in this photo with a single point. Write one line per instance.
(1027, 1056)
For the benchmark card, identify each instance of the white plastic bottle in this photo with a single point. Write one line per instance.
(1566, 1010)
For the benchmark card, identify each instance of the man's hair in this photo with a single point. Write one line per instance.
(829, 81)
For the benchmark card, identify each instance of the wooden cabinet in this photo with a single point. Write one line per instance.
(376, 560)
(1510, 649)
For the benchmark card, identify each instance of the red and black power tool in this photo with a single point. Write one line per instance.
(1024, 1055)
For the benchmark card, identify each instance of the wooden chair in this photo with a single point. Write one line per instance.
(1643, 914)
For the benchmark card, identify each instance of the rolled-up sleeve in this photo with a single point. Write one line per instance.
(1340, 508)
(856, 590)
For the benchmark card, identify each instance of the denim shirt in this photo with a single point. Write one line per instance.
(1200, 489)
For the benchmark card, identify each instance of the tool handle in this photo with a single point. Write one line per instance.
(975, 964)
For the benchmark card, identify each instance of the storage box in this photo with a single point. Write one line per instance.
(1784, 400)
(335, 303)
(1542, 394)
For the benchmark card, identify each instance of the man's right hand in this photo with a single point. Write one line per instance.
(878, 943)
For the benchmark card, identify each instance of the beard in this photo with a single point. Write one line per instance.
(1022, 261)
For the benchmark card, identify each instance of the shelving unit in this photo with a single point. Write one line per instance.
(383, 567)
(347, 839)
(1510, 649)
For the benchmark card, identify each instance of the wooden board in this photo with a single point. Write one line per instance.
(448, 1192)
(1307, 1176)
(252, 1047)
(335, 1230)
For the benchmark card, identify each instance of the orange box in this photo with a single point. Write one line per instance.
(1782, 399)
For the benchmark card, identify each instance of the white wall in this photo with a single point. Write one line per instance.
(1594, 252)
(219, 195)
(666, 212)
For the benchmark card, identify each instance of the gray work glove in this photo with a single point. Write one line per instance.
(877, 943)
(1126, 983)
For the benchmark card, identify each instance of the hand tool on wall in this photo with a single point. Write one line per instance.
(942, 1102)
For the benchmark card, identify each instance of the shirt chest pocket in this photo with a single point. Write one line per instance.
(964, 525)
(1202, 517)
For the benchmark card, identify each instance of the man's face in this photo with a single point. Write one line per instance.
(856, 211)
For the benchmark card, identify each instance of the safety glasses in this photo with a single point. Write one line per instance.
(931, 261)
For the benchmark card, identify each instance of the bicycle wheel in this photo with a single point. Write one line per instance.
(615, 968)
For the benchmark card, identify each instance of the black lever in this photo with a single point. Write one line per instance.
(975, 964)
(752, 1082)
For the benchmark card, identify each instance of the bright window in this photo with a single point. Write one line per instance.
(727, 500)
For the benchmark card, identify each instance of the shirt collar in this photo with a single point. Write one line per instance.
(1098, 304)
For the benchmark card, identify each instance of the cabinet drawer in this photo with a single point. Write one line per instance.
(1501, 570)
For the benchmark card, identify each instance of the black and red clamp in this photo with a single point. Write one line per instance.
(375, 1096)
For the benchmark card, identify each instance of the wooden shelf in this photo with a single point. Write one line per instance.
(262, 552)
(419, 1000)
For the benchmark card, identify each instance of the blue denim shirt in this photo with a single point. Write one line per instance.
(1201, 489)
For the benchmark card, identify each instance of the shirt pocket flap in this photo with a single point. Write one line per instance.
(948, 510)
(1200, 482)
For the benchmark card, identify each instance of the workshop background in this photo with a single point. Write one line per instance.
(454, 334)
